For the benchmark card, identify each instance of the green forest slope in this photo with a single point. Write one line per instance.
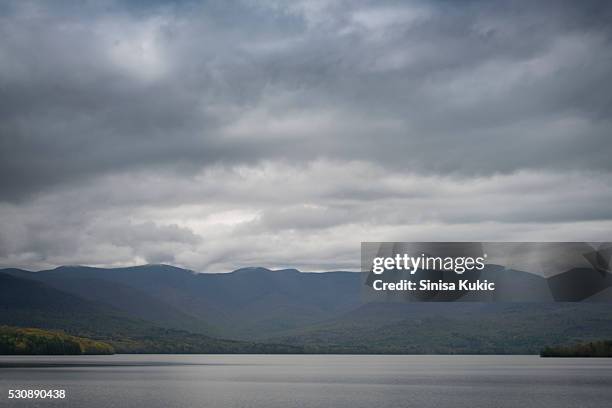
(15, 340)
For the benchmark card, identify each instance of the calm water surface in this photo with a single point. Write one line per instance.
(272, 381)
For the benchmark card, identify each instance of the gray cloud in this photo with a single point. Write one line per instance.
(312, 217)
(225, 134)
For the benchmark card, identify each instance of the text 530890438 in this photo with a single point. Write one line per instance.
(36, 394)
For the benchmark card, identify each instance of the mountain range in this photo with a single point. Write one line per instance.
(161, 308)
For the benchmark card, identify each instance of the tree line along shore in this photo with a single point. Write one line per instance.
(34, 341)
(590, 349)
(31, 341)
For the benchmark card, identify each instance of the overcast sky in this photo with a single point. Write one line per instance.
(219, 135)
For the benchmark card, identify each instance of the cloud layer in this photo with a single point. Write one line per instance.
(228, 134)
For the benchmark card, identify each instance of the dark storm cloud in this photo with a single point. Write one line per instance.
(224, 124)
(455, 82)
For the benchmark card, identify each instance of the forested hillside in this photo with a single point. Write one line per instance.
(29, 303)
(164, 309)
(15, 340)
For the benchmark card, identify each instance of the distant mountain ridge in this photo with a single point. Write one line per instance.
(246, 303)
(313, 312)
(30, 303)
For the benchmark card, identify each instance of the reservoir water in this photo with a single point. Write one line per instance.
(317, 381)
